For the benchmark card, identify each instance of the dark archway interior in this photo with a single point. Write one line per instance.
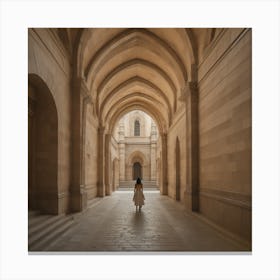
(42, 148)
(137, 170)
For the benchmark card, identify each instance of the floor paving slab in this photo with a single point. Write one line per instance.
(113, 225)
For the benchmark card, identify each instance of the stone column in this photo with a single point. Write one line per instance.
(101, 160)
(153, 152)
(190, 97)
(118, 174)
(80, 99)
(164, 177)
(122, 152)
(159, 172)
(153, 161)
(107, 169)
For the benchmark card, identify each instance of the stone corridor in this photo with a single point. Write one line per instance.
(170, 105)
(111, 224)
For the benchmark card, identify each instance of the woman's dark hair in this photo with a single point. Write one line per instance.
(138, 181)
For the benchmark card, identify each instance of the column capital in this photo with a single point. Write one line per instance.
(190, 88)
(80, 84)
(85, 93)
(163, 135)
(87, 98)
(101, 129)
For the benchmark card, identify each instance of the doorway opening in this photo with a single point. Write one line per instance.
(136, 146)
(137, 170)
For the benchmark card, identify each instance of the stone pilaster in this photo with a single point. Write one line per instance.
(122, 152)
(190, 97)
(108, 169)
(164, 188)
(80, 99)
(153, 151)
(153, 161)
(101, 161)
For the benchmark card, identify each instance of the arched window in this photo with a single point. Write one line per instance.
(136, 128)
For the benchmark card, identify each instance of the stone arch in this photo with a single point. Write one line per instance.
(133, 34)
(137, 61)
(191, 42)
(145, 84)
(139, 72)
(139, 158)
(209, 36)
(152, 112)
(42, 147)
(147, 104)
(81, 42)
(86, 34)
(177, 170)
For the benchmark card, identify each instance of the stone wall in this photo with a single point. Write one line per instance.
(177, 130)
(49, 60)
(137, 151)
(133, 149)
(225, 117)
(224, 124)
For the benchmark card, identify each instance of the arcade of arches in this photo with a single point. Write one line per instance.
(172, 106)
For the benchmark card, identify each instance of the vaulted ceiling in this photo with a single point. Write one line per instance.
(136, 68)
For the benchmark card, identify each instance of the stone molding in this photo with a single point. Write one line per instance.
(218, 60)
(164, 176)
(190, 88)
(61, 57)
(190, 97)
(228, 197)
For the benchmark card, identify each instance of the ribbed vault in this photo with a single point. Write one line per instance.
(135, 67)
(117, 113)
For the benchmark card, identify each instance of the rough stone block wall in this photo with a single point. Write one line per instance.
(225, 120)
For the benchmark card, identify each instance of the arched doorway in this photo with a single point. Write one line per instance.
(137, 170)
(137, 166)
(42, 147)
(177, 152)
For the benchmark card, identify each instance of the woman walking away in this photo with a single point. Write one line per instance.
(138, 197)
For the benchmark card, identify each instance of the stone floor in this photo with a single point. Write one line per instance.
(112, 224)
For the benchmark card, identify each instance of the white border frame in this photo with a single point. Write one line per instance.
(17, 16)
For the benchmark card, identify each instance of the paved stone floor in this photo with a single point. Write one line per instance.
(112, 224)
